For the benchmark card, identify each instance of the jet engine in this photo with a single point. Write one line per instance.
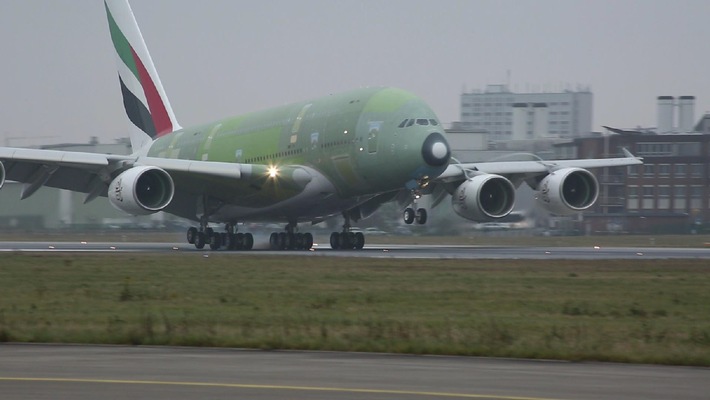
(2, 175)
(141, 190)
(484, 197)
(567, 191)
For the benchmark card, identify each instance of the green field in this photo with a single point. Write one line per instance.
(644, 311)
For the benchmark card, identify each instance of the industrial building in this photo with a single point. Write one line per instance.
(506, 115)
(669, 193)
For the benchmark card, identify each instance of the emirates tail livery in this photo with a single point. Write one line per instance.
(344, 154)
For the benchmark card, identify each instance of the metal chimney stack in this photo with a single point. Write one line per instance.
(665, 114)
(686, 114)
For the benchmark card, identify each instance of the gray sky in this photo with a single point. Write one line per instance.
(218, 58)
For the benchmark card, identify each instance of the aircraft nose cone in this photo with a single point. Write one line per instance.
(435, 150)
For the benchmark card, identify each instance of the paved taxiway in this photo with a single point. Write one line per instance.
(118, 372)
(386, 251)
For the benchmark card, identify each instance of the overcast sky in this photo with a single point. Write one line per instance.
(218, 58)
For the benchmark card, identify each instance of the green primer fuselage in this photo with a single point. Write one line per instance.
(353, 140)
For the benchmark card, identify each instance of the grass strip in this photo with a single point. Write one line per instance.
(641, 311)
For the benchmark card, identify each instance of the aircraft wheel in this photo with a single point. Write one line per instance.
(238, 241)
(359, 241)
(274, 241)
(230, 241)
(216, 241)
(248, 242)
(191, 234)
(345, 242)
(291, 241)
(299, 242)
(421, 216)
(283, 241)
(408, 215)
(200, 240)
(307, 241)
(335, 241)
(209, 232)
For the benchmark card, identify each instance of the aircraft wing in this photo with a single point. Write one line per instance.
(91, 173)
(525, 169)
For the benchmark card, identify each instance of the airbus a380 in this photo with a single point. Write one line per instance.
(344, 154)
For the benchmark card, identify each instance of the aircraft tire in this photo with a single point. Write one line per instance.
(421, 216)
(335, 241)
(215, 241)
(359, 241)
(200, 240)
(248, 242)
(408, 215)
(274, 241)
(191, 234)
(307, 241)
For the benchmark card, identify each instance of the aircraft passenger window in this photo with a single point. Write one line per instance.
(410, 123)
(433, 122)
(422, 121)
(403, 123)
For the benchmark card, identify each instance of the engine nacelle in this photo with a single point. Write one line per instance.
(568, 191)
(141, 190)
(2, 174)
(484, 198)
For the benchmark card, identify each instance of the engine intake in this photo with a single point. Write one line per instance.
(484, 198)
(141, 190)
(568, 191)
(2, 174)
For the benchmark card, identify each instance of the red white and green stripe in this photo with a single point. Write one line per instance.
(144, 99)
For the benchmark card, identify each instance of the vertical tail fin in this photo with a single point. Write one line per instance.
(144, 98)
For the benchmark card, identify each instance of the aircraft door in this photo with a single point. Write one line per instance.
(373, 136)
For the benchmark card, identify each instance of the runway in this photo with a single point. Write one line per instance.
(382, 251)
(118, 372)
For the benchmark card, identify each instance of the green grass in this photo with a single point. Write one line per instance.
(647, 311)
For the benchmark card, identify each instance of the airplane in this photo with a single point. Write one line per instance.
(344, 154)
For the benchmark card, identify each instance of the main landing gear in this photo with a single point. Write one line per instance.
(216, 240)
(290, 239)
(347, 240)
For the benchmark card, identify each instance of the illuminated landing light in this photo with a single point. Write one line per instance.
(361, 149)
(273, 172)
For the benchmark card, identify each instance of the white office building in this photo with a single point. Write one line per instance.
(523, 116)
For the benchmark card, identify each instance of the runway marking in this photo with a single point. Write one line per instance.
(277, 387)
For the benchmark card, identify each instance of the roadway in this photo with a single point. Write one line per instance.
(123, 372)
(384, 251)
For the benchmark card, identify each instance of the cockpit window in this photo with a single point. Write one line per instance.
(403, 123)
(422, 121)
(434, 122)
(411, 122)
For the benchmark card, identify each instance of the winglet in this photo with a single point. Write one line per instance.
(628, 154)
(144, 98)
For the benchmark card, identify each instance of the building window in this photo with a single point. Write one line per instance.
(647, 200)
(696, 170)
(633, 170)
(696, 197)
(664, 197)
(632, 198)
(680, 170)
(679, 198)
(648, 170)
(664, 170)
